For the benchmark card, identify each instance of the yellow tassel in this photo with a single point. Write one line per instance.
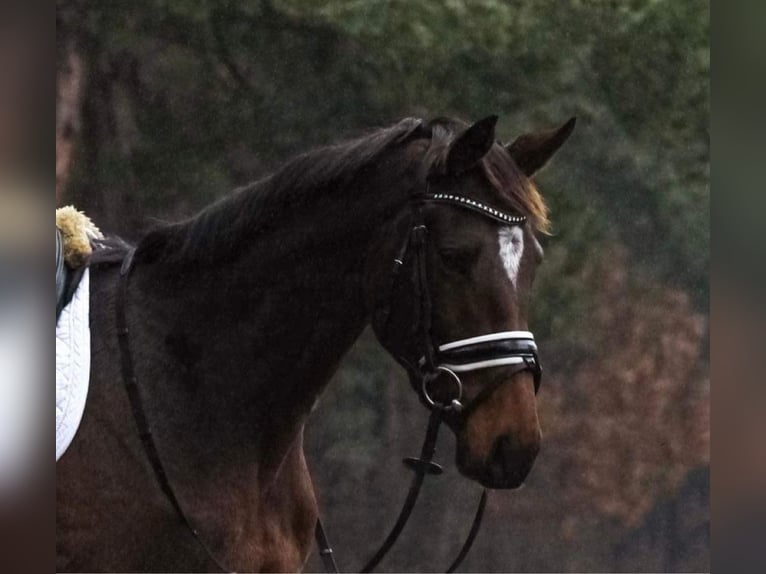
(77, 231)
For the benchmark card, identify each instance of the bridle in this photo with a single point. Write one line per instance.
(489, 350)
(498, 349)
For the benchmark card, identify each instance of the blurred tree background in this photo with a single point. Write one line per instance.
(165, 105)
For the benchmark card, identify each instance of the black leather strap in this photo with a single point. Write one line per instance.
(131, 386)
(60, 273)
(419, 238)
(475, 526)
(325, 550)
(136, 404)
(422, 467)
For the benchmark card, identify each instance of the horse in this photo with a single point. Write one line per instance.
(233, 322)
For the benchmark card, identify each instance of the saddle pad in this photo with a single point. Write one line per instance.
(72, 365)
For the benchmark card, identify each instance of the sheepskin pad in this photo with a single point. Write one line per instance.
(72, 365)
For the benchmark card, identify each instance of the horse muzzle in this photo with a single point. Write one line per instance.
(508, 464)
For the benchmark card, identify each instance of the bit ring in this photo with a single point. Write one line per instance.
(455, 403)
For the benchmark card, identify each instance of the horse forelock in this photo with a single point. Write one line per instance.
(520, 191)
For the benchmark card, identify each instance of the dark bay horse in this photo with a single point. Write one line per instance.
(238, 318)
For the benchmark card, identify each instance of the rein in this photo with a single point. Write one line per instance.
(480, 352)
(134, 395)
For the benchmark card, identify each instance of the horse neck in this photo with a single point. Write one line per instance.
(243, 347)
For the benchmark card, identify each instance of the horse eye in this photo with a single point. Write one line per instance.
(460, 260)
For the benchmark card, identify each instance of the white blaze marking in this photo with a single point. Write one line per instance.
(511, 241)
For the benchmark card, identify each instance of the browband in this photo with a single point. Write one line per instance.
(477, 206)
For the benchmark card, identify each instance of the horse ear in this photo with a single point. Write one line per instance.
(471, 145)
(532, 151)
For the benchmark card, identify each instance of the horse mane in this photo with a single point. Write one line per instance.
(220, 230)
(228, 223)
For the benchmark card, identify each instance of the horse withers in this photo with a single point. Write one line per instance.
(234, 321)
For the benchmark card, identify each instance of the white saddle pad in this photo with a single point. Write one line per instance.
(72, 365)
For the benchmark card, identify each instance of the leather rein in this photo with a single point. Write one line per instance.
(484, 351)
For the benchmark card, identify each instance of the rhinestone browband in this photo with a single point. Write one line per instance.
(477, 206)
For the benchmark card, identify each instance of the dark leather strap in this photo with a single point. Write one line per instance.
(475, 526)
(136, 404)
(419, 238)
(131, 386)
(422, 467)
(325, 550)
(60, 273)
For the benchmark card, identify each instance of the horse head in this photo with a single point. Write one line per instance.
(449, 281)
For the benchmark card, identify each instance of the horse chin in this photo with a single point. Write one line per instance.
(488, 477)
(504, 483)
(490, 474)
